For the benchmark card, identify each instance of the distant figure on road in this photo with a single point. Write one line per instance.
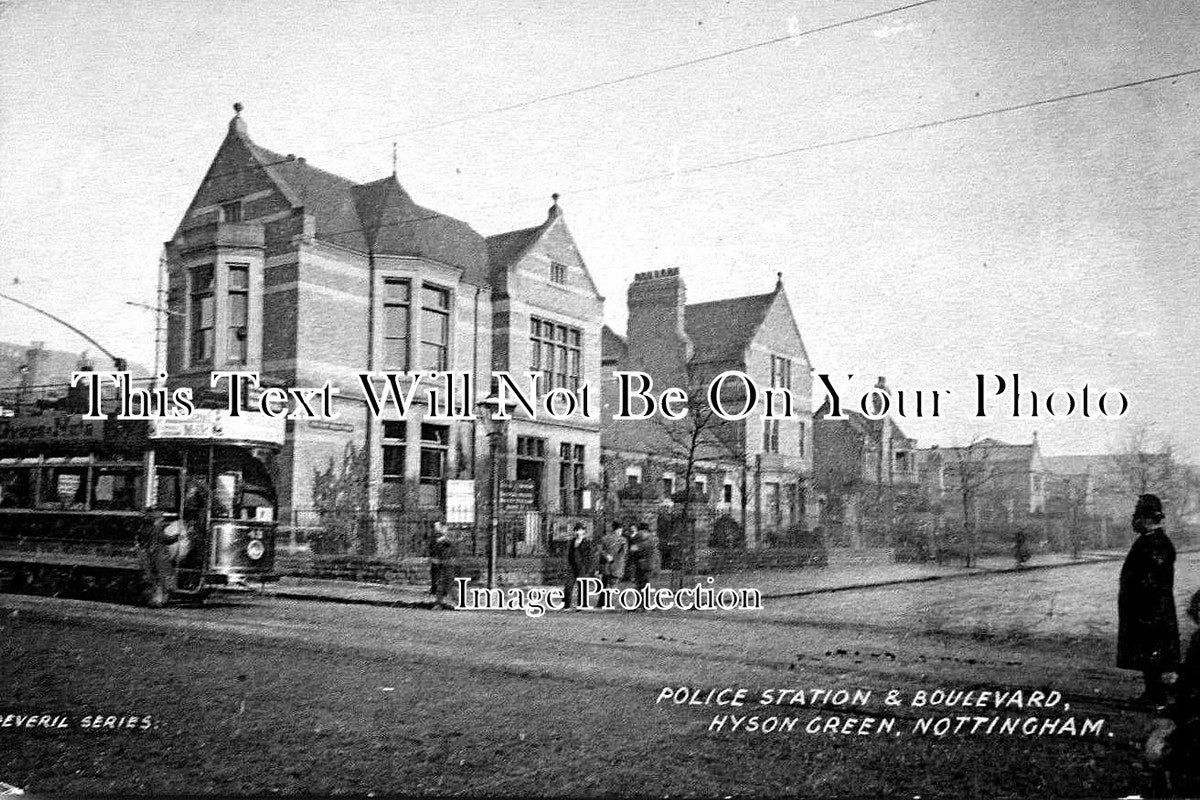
(581, 560)
(643, 550)
(1147, 628)
(613, 548)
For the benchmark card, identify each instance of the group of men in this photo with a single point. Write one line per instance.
(629, 551)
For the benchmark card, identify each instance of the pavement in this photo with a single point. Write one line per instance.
(844, 573)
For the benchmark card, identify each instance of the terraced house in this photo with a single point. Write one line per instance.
(307, 277)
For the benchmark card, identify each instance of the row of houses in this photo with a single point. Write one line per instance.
(305, 277)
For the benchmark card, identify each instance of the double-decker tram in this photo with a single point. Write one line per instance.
(152, 509)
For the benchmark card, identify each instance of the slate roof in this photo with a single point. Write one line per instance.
(506, 249)
(379, 216)
(721, 330)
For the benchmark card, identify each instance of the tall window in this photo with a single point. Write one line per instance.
(202, 314)
(394, 440)
(727, 493)
(570, 478)
(781, 372)
(558, 272)
(803, 434)
(239, 307)
(396, 299)
(556, 351)
(435, 328)
(435, 444)
(668, 484)
(771, 435)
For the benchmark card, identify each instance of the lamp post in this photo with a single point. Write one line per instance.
(493, 407)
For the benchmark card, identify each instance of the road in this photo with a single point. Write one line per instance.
(260, 695)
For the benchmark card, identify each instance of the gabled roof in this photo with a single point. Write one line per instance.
(721, 330)
(378, 217)
(1076, 465)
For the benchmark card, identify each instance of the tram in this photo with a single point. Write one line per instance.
(153, 509)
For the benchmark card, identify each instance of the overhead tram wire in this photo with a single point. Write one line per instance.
(592, 86)
(691, 62)
(866, 137)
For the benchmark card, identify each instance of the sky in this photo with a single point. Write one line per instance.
(1060, 242)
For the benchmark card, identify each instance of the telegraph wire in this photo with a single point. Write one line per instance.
(866, 137)
(593, 86)
(691, 62)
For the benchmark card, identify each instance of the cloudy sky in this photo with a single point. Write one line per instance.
(1060, 241)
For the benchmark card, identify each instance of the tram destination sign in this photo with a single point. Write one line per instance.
(209, 423)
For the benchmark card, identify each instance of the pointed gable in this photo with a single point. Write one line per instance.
(551, 241)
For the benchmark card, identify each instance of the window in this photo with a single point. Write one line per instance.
(558, 272)
(556, 352)
(803, 435)
(16, 488)
(570, 478)
(202, 314)
(531, 447)
(668, 484)
(727, 493)
(64, 487)
(394, 439)
(435, 444)
(396, 299)
(700, 485)
(771, 436)
(435, 328)
(231, 212)
(633, 476)
(239, 306)
(781, 372)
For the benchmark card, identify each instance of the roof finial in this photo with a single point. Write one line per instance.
(554, 209)
(778, 280)
(237, 124)
(393, 159)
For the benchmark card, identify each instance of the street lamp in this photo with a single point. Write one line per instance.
(492, 407)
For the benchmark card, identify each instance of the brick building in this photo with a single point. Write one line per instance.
(754, 471)
(308, 277)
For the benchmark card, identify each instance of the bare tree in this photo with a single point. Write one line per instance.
(971, 470)
(1146, 463)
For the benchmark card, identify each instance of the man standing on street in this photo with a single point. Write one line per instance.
(1147, 628)
(643, 551)
(445, 549)
(581, 562)
(613, 548)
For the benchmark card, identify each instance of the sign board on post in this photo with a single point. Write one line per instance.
(460, 502)
(516, 495)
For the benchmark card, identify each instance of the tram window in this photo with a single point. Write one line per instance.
(64, 486)
(166, 494)
(225, 498)
(16, 488)
(115, 490)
